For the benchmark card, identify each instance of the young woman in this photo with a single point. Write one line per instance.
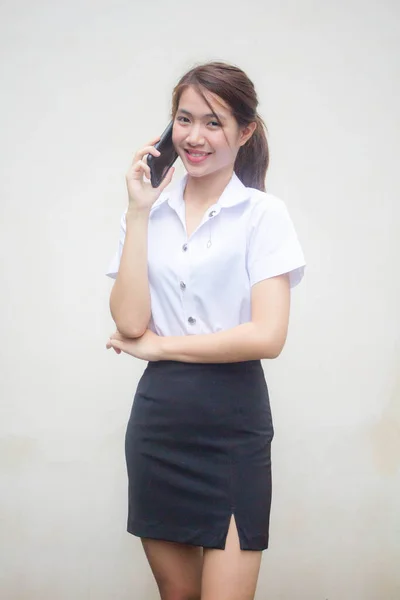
(202, 292)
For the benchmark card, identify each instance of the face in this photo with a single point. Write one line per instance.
(205, 144)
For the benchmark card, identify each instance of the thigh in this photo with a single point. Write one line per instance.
(176, 567)
(230, 574)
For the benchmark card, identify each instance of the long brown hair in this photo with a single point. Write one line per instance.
(234, 87)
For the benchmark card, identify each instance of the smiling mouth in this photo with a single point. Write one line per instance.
(196, 158)
(196, 154)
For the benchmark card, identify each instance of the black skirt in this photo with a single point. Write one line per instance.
(198, 450)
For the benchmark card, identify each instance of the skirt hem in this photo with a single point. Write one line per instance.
(192, 538)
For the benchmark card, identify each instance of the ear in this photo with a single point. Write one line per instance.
(246, 133)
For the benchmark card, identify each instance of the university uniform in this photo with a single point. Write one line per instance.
(199, 435)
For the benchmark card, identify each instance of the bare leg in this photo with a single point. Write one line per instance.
(176, 567)
(230, 574)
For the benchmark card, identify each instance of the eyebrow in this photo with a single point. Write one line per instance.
(186, 112)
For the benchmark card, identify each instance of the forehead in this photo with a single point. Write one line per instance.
(192, 101)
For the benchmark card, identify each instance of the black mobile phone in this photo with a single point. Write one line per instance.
(159, 165)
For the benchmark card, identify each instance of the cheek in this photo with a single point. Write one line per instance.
(177, 134)
(225, 145)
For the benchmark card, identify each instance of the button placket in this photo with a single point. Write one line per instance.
(186, 299)
(190, 310)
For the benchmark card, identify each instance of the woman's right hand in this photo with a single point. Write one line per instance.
(141, 193)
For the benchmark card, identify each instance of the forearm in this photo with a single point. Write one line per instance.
(130, 296)
(248, 341)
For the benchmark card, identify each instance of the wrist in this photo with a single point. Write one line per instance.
(136, 212)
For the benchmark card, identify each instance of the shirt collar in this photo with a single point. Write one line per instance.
(234, 193)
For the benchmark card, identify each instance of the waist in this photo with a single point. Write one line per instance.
(246, 366)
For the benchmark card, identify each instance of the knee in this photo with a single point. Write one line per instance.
(176, 591)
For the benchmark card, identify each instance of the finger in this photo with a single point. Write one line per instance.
(117, 345)
(167, 179)
(145, 168)
(152, 142)
(109, 346)
(144, 151)
(139, 168)
(139, 163)
(117, 350)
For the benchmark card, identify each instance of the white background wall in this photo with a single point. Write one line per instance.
(83, 85)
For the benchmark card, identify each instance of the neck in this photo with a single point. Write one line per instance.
(204, 191)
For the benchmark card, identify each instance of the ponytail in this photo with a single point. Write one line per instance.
(253, 158)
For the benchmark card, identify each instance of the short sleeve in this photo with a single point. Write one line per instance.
(114, 265)
(273, 247)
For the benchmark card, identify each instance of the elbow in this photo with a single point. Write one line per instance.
(273, 351)
(272, 345)
(130, 331)
(130, 328)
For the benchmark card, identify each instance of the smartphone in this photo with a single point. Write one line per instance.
(159, 165)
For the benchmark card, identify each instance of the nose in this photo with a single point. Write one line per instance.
(195, 136)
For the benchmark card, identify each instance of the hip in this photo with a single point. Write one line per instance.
(221, 399)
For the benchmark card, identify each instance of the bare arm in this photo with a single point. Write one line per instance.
(130, 295)
(263, 337)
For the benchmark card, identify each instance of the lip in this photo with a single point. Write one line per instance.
(196, 159)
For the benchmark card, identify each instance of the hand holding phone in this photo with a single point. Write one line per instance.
(141, 193)
(160, 165)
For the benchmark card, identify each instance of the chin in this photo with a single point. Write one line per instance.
(197, 174)
(195, 171)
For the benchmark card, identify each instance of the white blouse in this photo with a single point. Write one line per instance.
(202, 284)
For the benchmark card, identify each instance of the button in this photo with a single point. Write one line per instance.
(183, 285)
(212, 213)
(184, 247)
(192, 320)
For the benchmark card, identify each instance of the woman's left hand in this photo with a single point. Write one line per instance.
(147, 347)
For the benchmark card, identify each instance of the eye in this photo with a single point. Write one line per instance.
(214, 124)
(182, 119)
